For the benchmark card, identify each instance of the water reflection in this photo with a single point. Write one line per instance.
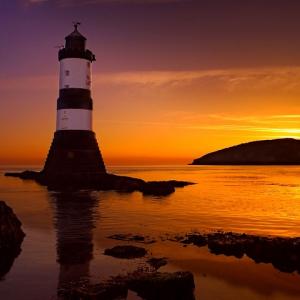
(74, 217)
(223, 199)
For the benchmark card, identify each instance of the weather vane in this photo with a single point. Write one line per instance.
(76, 24)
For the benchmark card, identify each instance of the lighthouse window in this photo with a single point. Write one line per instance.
(67, 72)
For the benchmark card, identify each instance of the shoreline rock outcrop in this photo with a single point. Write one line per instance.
(101, 181)
(11, 238)
(283, 253)
(126, 251)
(147, 285)
(157, 262)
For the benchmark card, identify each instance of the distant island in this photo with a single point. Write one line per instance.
(267, 152)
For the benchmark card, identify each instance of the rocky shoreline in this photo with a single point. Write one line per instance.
(101, 181)
(283, 253)
(147, 285)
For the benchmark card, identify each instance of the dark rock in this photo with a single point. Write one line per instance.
(157, 263)
(162, 188)
(106, 290)
(196, 239)
(24, 175)
(126, 251)
(157, 188)
(135, 238)
(148, 285)
(282, 253)
(11, 234)
(223, 244)
(100, 181)
(138, 238)
(179, 184)
(267, 152)
(162, 286)
(11, 237)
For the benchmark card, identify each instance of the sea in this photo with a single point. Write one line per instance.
(67, 233)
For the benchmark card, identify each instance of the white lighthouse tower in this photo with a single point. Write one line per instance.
(74, 148)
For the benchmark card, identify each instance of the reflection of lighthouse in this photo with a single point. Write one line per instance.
(74, 215)
(74, 148)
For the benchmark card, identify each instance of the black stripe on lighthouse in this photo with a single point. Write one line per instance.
(75, 98)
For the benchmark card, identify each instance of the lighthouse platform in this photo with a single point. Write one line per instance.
(99, 181)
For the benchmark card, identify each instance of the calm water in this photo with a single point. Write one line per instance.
(67, 233)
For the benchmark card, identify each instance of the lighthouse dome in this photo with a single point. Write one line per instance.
(75, 46)
(75, 40)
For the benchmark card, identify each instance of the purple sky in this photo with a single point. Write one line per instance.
(132, 35)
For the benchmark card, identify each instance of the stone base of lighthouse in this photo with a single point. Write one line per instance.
(73, 152)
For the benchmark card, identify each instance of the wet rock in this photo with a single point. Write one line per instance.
(126, 251)
(106, 290)
(282, 253)
(157, 263)
(11, 237)
(24, 175)
(147, 285)
(162, 286)
(100, 181)
(157, 188)
(11, 234)
(227, 243)
(138, 238)
(179, 184)
(174, 238)
(130, 237)
(162, 188)
(195, 239)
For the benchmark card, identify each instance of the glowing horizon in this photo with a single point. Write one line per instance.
(173, 130)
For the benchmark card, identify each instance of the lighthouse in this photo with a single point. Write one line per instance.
(74, 148)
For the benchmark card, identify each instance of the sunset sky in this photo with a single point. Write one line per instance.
(173, 80)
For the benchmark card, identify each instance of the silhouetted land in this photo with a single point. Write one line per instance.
(267, 152)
